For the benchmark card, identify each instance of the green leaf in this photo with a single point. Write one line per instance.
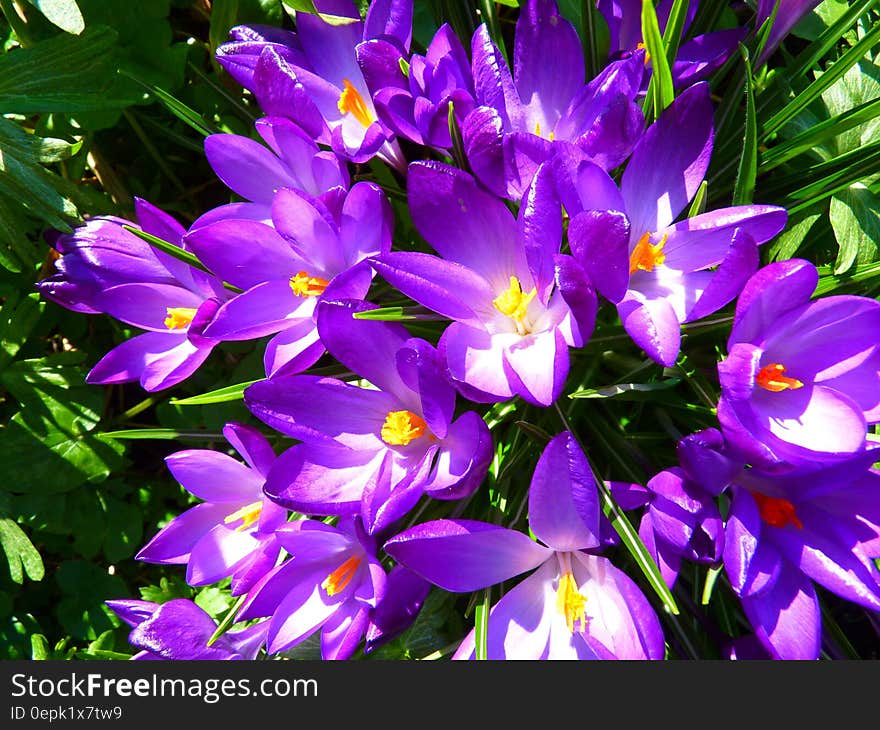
(660, 89)
(66, 73)
(64, 14)
(626, 390)
(307, 6)
(40, 650)
(221, 395)
(85, 587)
(223, 17)
(168, 247)
(855, 220)
(789, 241)
(21, 555)
(674, 28)
(48, 445)
(858, 86)
(18, 317)
(156, 433)
(744, 190)
(481, 626)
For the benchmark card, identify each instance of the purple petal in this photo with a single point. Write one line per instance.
(463, 459)
(579, 296)
(266, 256)
(320, 410)
(293, 349)
(539, 362)
(463, 555)
(702, 55)
(145, 305)
(343, 632)
(653, 326)
(477, 358)
(246, 167)
(563, 499)
(464, 223)
(540, 221)
(261, 310)
(492, 80)
(423, 371)
(390, 18)
(769, 293)
(669, 162)
(214, 477)
(786, 618)
(600, 243)
(173, 543)
(254, 448)
(405, 594)
(446, 287)
(217, 554)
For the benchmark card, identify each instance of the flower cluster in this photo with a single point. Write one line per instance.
(544, 200)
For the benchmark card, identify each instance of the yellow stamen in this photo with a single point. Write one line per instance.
(401, 427)
(770, 377)
(248, 515)
(641, 46)
(304, 285)
(514, 304)
(550, 136)
(351, 102)
(179, 317)
(341, 577)
(570, 602)
(647, 255)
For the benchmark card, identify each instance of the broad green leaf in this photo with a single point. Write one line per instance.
(18, 317)
(85, 587)
(48, 445)
(855, 220)
(859, 85)
(817, 22)
(67, 73)
(789, 241)
(63, 13)
(21, 555)
(307, 6)
(39, 648)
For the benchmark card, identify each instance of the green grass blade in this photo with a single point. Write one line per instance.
(177, 108)
(674, 28)
(824, 43)
(825, 81)
(169, 248)
(221, 395)
(744, 190)
(660, 90)
(481, 626)
(815, 135)
(166, 434)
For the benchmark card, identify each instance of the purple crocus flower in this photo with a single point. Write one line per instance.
(312, 76)
(801, 379)
(231, 533)
(256, 172)
(786, 531)
(790, 13)
(512, 327)
(576, 605)
(331, 582)
(180, 630)
(659, 273)
(681, 520)
(697, 57)
(413, 95)
(544, 100)
(104, 268)
(370, 451)
(309, 251)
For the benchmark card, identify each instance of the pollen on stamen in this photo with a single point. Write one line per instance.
(178, 317)
(341, 577)
(513, 303)
(771, 377)
(351, 102)
(570, 602)
(304, 285)
(248, 515)
(647, 255)
(402, 427)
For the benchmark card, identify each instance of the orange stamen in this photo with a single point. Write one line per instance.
(351, 102)
(647, 255)
(776, 512)
(770, 377)
(304, 285)
(341, 577)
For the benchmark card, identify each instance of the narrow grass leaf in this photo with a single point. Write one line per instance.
(744, 190)
(221, 395)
